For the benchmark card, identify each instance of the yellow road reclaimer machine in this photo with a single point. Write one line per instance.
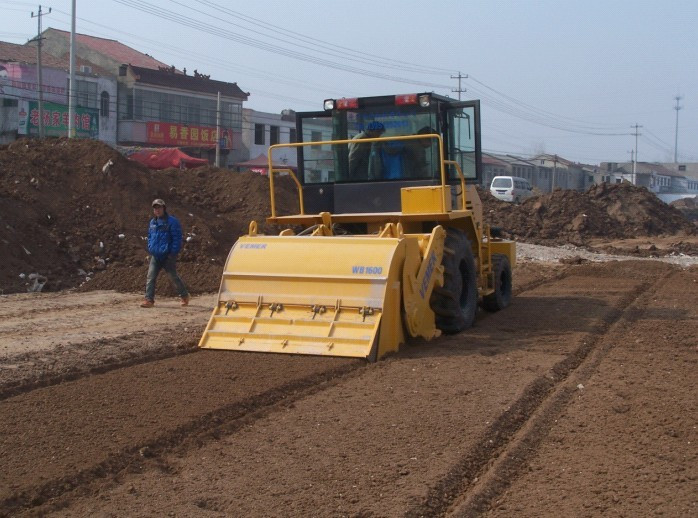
(389, 241)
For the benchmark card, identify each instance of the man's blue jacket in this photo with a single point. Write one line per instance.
(164, 236)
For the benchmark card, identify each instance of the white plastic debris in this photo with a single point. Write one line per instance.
(22, 276)
(121, 236)
(106, 168)
(101, 244)
(580, 386)
(188, 239)
(38, 284)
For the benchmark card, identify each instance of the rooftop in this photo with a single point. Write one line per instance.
(13, 53)
(167, 76)
(114, 50)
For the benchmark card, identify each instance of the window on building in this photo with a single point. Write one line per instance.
(316, 136)
(86, 94)
(259, 134)
(274, 133)
(9, 102)
(104, 104)
(292, 135)
(682, 168)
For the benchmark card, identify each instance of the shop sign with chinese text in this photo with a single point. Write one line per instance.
(56, 120)
(185, 135)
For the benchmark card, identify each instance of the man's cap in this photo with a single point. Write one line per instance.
(375, 126)
(158, 201)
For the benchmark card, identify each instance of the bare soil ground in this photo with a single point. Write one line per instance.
(578, 400)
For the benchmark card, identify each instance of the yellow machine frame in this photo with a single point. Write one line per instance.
(354, 296)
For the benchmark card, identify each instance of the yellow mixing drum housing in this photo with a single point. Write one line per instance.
(412, 272)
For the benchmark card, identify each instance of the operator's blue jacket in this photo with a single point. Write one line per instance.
(164, 237)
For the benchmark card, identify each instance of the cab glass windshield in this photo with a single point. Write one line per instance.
(380, 160)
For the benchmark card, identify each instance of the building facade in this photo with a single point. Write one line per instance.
(263, 129)
(165, 108)
(157, 105)
(19, 90)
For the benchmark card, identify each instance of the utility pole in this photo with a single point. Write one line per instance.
(39, 85)
(676, 134)
(218, 131)
(71, 84)
(459, 89)
(637, 127)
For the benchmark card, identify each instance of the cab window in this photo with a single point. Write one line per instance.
(389, 160)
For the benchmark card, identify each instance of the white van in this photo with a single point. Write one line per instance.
(511, 188)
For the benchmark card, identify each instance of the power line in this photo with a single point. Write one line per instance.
(276, 30)
(505, 107)
(216, 31)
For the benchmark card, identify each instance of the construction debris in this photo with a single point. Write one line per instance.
(60, 213)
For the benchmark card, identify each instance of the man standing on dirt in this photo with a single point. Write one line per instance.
(164, 243)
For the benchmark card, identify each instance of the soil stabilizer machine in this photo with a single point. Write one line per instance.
(389, 242)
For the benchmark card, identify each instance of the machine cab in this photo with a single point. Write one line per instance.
(364, 174)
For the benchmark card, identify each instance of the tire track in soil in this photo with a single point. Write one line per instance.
(73, 363)
(56, 304)
(534, 412)
(211, 426)
(522, 448)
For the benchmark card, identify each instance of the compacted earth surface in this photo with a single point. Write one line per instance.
(577, 400)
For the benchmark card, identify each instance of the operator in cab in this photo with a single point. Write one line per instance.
(360, 154)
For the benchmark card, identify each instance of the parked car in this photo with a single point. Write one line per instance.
(511, 188)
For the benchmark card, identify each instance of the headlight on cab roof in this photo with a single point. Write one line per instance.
(329, 104)
(424, 101)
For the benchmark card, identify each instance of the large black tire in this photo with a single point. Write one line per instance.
(455, 304)
(501, 297)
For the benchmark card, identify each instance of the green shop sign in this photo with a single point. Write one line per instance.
(56, 120)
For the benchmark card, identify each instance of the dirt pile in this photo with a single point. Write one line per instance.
(688, 207)
(610, 211)
(65, 219)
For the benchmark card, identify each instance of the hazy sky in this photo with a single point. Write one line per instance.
(566, 77)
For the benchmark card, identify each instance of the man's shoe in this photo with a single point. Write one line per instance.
(184, 301)
(147, 303)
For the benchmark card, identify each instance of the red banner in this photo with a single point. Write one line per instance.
(170, 134)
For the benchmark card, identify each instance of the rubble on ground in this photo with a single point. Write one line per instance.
(611, 211)
(66, 217)
(74, 213)
(688, 207)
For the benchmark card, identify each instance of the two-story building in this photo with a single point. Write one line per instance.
(95, 111)
(158, 105)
